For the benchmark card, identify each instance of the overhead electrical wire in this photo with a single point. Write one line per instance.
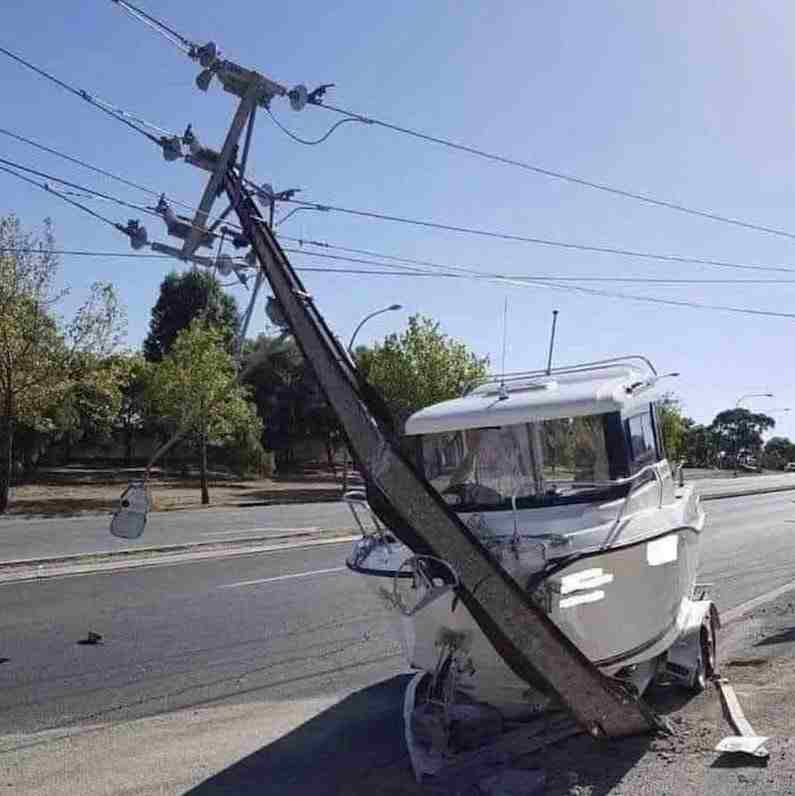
(674, 258)
(168, 33)
(109, 174)
(187, 46)
(308, 141)
(94, 193)
(44, 186)
(533, 281)
(116, 113)
(558, 175)
(394, 271)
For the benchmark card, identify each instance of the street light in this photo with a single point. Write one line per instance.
(363, 321)
(737, 435)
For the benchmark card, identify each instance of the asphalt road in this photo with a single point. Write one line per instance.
(282, 628)
(25, 539)
(22, 539)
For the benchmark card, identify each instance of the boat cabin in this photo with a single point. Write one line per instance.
(538, 439)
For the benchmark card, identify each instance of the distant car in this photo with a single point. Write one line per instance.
(789, 467)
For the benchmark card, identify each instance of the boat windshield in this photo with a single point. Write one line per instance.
(546, 461)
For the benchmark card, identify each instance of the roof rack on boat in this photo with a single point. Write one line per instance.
(599, 364)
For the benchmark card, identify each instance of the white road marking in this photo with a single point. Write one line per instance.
(262, 530)
(282, 577)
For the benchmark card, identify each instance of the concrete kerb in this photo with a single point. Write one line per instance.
(95, 561)
(746, 492)
(37, 568)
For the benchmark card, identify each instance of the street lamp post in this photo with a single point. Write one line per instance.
(737, 435)
(362, 322)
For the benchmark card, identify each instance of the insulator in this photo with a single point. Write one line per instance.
(137, 234)
(208, 54)
(172, 148)
(298, 97)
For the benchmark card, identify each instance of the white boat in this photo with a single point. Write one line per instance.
(563, 477)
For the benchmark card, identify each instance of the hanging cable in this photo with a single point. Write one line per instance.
(672, 258)
(307, 141)
(106, 107)
(559, 175)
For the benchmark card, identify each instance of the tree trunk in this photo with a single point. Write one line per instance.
(203, 460)
(128, 446)
(6, 460)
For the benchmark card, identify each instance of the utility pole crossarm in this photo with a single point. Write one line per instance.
(522, 634)
(245, 110)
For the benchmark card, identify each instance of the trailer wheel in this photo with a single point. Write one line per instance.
(706, 663)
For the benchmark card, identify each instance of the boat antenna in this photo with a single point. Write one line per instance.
(552, 341)
(503, 392)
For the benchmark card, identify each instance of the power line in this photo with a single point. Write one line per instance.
(307, 141)
(559, 175)
(77, 186)
(177, 39)
(453, 271)
(116, 113)
(45, 187)
(394, 271)
(522, 281)
(535, 240)
(97, 170)
(535, 281)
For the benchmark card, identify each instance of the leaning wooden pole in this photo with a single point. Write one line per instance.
(529, 642)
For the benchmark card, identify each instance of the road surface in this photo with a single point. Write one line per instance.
(248, 638)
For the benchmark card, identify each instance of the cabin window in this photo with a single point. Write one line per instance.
(642, 443)
(544, 460)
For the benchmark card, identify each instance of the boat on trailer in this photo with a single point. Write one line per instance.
(562, 476)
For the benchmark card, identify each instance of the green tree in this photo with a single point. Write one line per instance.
(42, 357)
(182, 298)
(419, 367)
(739, 429)
(779, 451)
(673, 426)
(699, 445)
(132, 416)
(196, 388)
(287, 394)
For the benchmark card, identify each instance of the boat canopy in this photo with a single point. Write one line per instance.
(575, 392)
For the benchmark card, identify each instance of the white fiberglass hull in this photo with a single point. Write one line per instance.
(621, 606)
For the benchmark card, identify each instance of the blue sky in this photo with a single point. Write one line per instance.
(687, 101)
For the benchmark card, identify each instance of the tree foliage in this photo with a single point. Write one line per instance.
(195, 388)
(673, 426)
(288, 398)
(184, 297)
(419, 367)
(44, 360)
(740, 429)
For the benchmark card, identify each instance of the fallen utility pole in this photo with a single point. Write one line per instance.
(529, 642)
(521, 633)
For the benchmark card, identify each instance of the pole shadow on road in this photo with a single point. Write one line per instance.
(357, 747)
